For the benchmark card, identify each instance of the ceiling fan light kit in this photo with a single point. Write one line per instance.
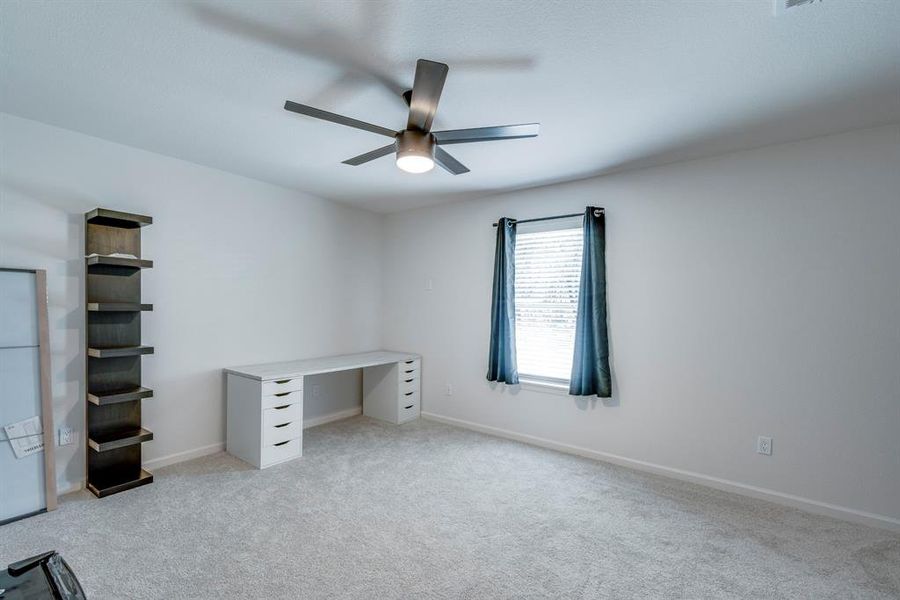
(417, 147)
(415, 151)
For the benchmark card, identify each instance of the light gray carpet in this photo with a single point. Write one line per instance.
(429, 511)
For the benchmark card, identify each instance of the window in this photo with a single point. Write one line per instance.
(548, 270)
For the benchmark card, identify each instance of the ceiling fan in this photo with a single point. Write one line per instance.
(417, 147)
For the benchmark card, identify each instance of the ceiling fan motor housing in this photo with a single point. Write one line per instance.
(415, 143)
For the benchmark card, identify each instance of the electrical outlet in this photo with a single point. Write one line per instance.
(764, 445)
(449, 389)
(315, 390)
(66, 436)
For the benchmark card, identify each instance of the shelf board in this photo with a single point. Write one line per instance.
(119, 439)
(116, 482)
(115, 218)
(114, 261)
(118, 307)
(119, 351)
(116, 396)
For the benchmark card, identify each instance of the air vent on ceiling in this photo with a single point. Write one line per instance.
(782, 6)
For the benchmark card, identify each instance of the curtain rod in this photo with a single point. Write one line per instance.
(581, 214)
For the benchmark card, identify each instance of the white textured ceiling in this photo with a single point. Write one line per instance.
(614, 84)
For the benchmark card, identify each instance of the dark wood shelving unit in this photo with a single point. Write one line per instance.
(117, 219)
(118, 261)
(113, 311)
(118, 351)
(118, 307)
(112, 440)
(121, 395)
(114, 481)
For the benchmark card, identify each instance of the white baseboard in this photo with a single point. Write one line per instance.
(335, 416)
(156, 463)
(813, 506)
(171, 459)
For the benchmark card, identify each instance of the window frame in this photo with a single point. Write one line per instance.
(540, 382)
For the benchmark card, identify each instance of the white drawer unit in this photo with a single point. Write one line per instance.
(409, 407)
(275, 434)
(264, 419)
(281, 386)
(283, 414)
(282, 399)
(392, 392)
(281, 452)
(411, 367)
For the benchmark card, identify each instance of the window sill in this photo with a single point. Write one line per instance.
(545, 387)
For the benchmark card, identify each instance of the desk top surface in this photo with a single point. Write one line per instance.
(313, 366)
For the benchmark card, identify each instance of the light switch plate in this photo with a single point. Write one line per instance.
(66, 436)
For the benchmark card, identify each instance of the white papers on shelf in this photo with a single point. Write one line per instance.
(25, 437)
(113, 255)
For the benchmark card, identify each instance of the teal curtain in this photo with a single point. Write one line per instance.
(502, 354)
(590, 367)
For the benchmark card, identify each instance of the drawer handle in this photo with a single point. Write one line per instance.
(283, 424)
(283, 381)
(281, 407)
(409, 393)
(409, 407)
(409, 381)
(282, 394)
(409, 362)
(281, 443)
(411, 371)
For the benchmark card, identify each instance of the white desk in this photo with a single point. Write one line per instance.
(265, 402)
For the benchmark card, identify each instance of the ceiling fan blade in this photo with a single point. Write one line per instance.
(448, 163)
(486, 134)
(342, 49)
(372, 155)
(426, 93)
(335, 118)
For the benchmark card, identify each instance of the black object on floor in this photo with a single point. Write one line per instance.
(42, 577)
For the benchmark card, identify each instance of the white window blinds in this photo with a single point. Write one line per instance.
(548, 271)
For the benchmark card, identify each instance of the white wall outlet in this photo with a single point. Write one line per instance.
(764, 445)
(449, 389)
(66, 436)
(315, 390)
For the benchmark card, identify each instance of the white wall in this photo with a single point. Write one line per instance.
(243, 272)
(756, 293)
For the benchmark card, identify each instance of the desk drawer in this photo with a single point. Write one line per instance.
(281, 433)
(283, 413)
(279, 452)
(408, 379)
(282, 399)
(408, 388)
(279, 386)
(409, 408)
